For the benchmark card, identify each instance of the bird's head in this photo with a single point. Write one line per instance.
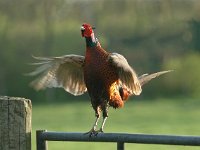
(87, 30)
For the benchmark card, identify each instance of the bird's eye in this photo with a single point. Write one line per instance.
(82, 28)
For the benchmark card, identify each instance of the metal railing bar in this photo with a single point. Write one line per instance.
(41, 144)
(122, 138)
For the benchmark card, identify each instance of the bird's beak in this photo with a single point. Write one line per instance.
(82, 28)
(82, 31)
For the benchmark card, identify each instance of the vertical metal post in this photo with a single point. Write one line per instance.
(41, 143)
(120, 145)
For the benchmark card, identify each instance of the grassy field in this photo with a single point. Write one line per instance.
(161, 116)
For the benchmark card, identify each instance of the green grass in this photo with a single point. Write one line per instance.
(162, 116)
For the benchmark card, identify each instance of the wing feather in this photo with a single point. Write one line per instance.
(65, 72)
(126, 74)
(146, 77)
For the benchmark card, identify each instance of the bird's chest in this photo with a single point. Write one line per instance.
(98, 73)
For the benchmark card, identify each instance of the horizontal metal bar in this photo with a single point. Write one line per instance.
(122, 137)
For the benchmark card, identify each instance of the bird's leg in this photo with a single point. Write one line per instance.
(105, 116)
(103, 123)
(93, 131)
(94, 127)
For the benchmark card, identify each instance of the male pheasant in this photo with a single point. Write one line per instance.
(107, 77)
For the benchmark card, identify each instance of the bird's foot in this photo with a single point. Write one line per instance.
(93, 132)
(100, 130)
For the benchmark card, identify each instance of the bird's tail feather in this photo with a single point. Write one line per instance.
(147, 77)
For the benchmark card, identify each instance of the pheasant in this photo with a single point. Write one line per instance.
(107, 77)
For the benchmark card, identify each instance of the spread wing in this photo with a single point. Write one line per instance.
(126, 74)
(65, 72)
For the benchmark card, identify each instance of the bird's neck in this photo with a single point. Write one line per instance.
(91, 41)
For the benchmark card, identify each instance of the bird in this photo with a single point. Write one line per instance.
(107, 77)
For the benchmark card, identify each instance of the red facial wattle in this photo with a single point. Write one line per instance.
(86, 30)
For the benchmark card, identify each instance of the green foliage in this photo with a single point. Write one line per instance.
(186, 76)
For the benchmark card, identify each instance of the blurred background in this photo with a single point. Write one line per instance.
(153, 35)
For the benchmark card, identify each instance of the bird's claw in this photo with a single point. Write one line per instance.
(93, 132)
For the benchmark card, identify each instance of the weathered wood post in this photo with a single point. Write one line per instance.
(15, 123)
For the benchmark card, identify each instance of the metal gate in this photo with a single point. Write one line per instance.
(42, 136)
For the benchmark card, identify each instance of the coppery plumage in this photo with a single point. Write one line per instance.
(107, 77)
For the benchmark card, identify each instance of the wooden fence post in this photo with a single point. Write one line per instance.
(15, 123)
